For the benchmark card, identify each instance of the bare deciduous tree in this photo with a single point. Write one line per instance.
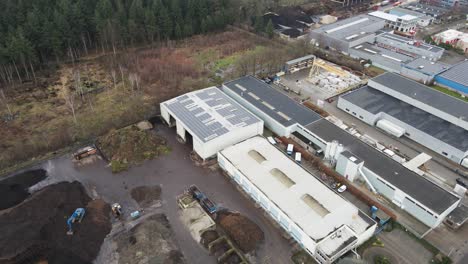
(4, 101)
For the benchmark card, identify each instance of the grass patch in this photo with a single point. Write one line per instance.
(449, 92)
(302, 257)
(130, 146)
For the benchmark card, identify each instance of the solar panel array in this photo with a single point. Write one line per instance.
(209, 113)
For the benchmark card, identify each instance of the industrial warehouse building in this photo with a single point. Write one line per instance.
(422, 70)
(280, 114)
(210, 119)
(321, 221)
(383, 58)
(455, 78)
(403, 107)
(403, 23)
(413, 193)
(347, 33)
(423, 199)
(409, 46)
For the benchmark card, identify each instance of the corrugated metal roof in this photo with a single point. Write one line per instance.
(458, 73)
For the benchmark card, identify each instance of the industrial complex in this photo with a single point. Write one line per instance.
(320, 220)
(403, 107)
(382, 174)
(347, 33)
(212, 119)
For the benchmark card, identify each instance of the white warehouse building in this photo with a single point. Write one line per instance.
(321, 221)
(211, 120)
(403, 107)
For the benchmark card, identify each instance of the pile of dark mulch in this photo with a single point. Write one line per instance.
(36, 229)
(14, 190)
(243, 231)
(146, 195)
(208, 236)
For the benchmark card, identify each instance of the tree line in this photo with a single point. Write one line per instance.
(36, 32)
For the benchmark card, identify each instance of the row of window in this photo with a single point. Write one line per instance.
(418, 205)
(354, 113)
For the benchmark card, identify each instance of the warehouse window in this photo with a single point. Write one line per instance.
(315, 205)
(282, 178)
(347, 109)
(257, 156)
(361, 117)
(354, 113)
(445, 153)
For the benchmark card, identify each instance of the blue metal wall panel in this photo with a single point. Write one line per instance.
(452, 84)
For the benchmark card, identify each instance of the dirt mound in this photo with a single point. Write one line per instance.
(146, 195)
(14, 190)
(208, 236)
(243, 231)
(36, 229)
(149, 242)
(129, 146)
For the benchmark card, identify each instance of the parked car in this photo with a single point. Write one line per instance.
(271, 140)
(342, 188)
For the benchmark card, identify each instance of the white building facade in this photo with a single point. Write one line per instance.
(320, 221)
(211, 119)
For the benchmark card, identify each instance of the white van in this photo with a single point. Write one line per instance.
(298, 157)
(271, 140)
(290, 149)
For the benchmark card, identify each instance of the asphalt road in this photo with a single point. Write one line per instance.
(174, 172)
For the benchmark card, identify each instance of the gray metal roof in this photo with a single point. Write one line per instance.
(458, 73)
(347, 27)
(424, 94)
(375, 101)
(301, 59)
(428, 67)
(405, 40)
(209, 113)
(272, 102)
(421, 189)
(383, 54)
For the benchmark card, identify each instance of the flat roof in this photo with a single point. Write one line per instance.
(421, 189)
(301, 59)
(458, 74)
(428, 67)
(209, 113)
(346, 27)
(408, 41)
(385, 54)
(314, 207)
(424, 94)
(375, 101)
(272, 102)
(392, 17)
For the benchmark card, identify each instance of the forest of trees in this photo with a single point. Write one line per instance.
(36, 32)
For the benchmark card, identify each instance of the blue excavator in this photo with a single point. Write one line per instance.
(76, 216)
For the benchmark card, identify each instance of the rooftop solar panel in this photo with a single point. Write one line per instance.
(209, 113)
